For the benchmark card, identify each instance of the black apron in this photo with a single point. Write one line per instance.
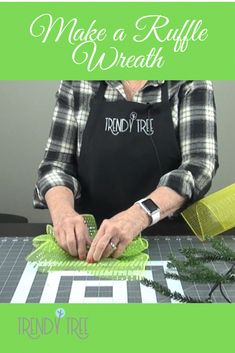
(126, 148)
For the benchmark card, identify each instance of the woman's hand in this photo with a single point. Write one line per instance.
(70, 230)
(72, 234)
(117, 232)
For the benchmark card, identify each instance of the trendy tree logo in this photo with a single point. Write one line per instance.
(38, 327)
(138, 125)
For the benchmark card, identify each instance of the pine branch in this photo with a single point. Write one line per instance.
(201, 274)
(222, 253)
(220, 246)
(183, 265)
(205, 255)
(192, 277)
(193, 269)
(163, 290)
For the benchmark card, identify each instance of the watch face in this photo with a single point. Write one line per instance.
(150, 205)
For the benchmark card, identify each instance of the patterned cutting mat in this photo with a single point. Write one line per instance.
(22, 283)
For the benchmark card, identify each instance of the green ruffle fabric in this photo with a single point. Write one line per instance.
(49, 256)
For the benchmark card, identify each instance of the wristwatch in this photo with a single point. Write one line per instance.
(151, 209)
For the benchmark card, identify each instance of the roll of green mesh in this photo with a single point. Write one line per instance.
(48, 256)
(212, 215)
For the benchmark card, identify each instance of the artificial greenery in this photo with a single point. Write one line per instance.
(195, 267)
(166, 292)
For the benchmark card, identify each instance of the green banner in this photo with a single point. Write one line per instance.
(117, 41)
(93, 41)
(46, 328)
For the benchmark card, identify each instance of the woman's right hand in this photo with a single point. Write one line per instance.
(72, 234)
(70, 230)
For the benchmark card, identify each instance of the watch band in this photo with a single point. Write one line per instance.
(151, 209)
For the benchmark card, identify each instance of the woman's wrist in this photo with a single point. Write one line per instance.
(60, 202)
(140, 216)
(61, 212)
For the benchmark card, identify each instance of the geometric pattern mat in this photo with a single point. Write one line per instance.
(20, 282)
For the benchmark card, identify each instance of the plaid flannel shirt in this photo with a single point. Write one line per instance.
(193, 114)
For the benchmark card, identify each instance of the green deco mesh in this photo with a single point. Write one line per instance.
(212, 215)
(49, 256)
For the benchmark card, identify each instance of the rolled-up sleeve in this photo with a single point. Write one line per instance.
(58, 167)
(197, 136)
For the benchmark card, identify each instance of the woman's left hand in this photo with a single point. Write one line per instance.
(117, 232)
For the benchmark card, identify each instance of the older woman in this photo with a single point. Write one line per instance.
(129, 152)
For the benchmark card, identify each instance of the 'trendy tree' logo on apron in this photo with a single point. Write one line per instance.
(133, 124)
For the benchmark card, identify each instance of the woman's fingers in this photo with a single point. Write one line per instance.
(60, 236)
(114, 235)
(98, 237)
(83, 240)
(111, 246)
(105, 241)
(89, 242)
(120, 249)
(83, 229)
(102, 244)
(71, 241)
(73, 236)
